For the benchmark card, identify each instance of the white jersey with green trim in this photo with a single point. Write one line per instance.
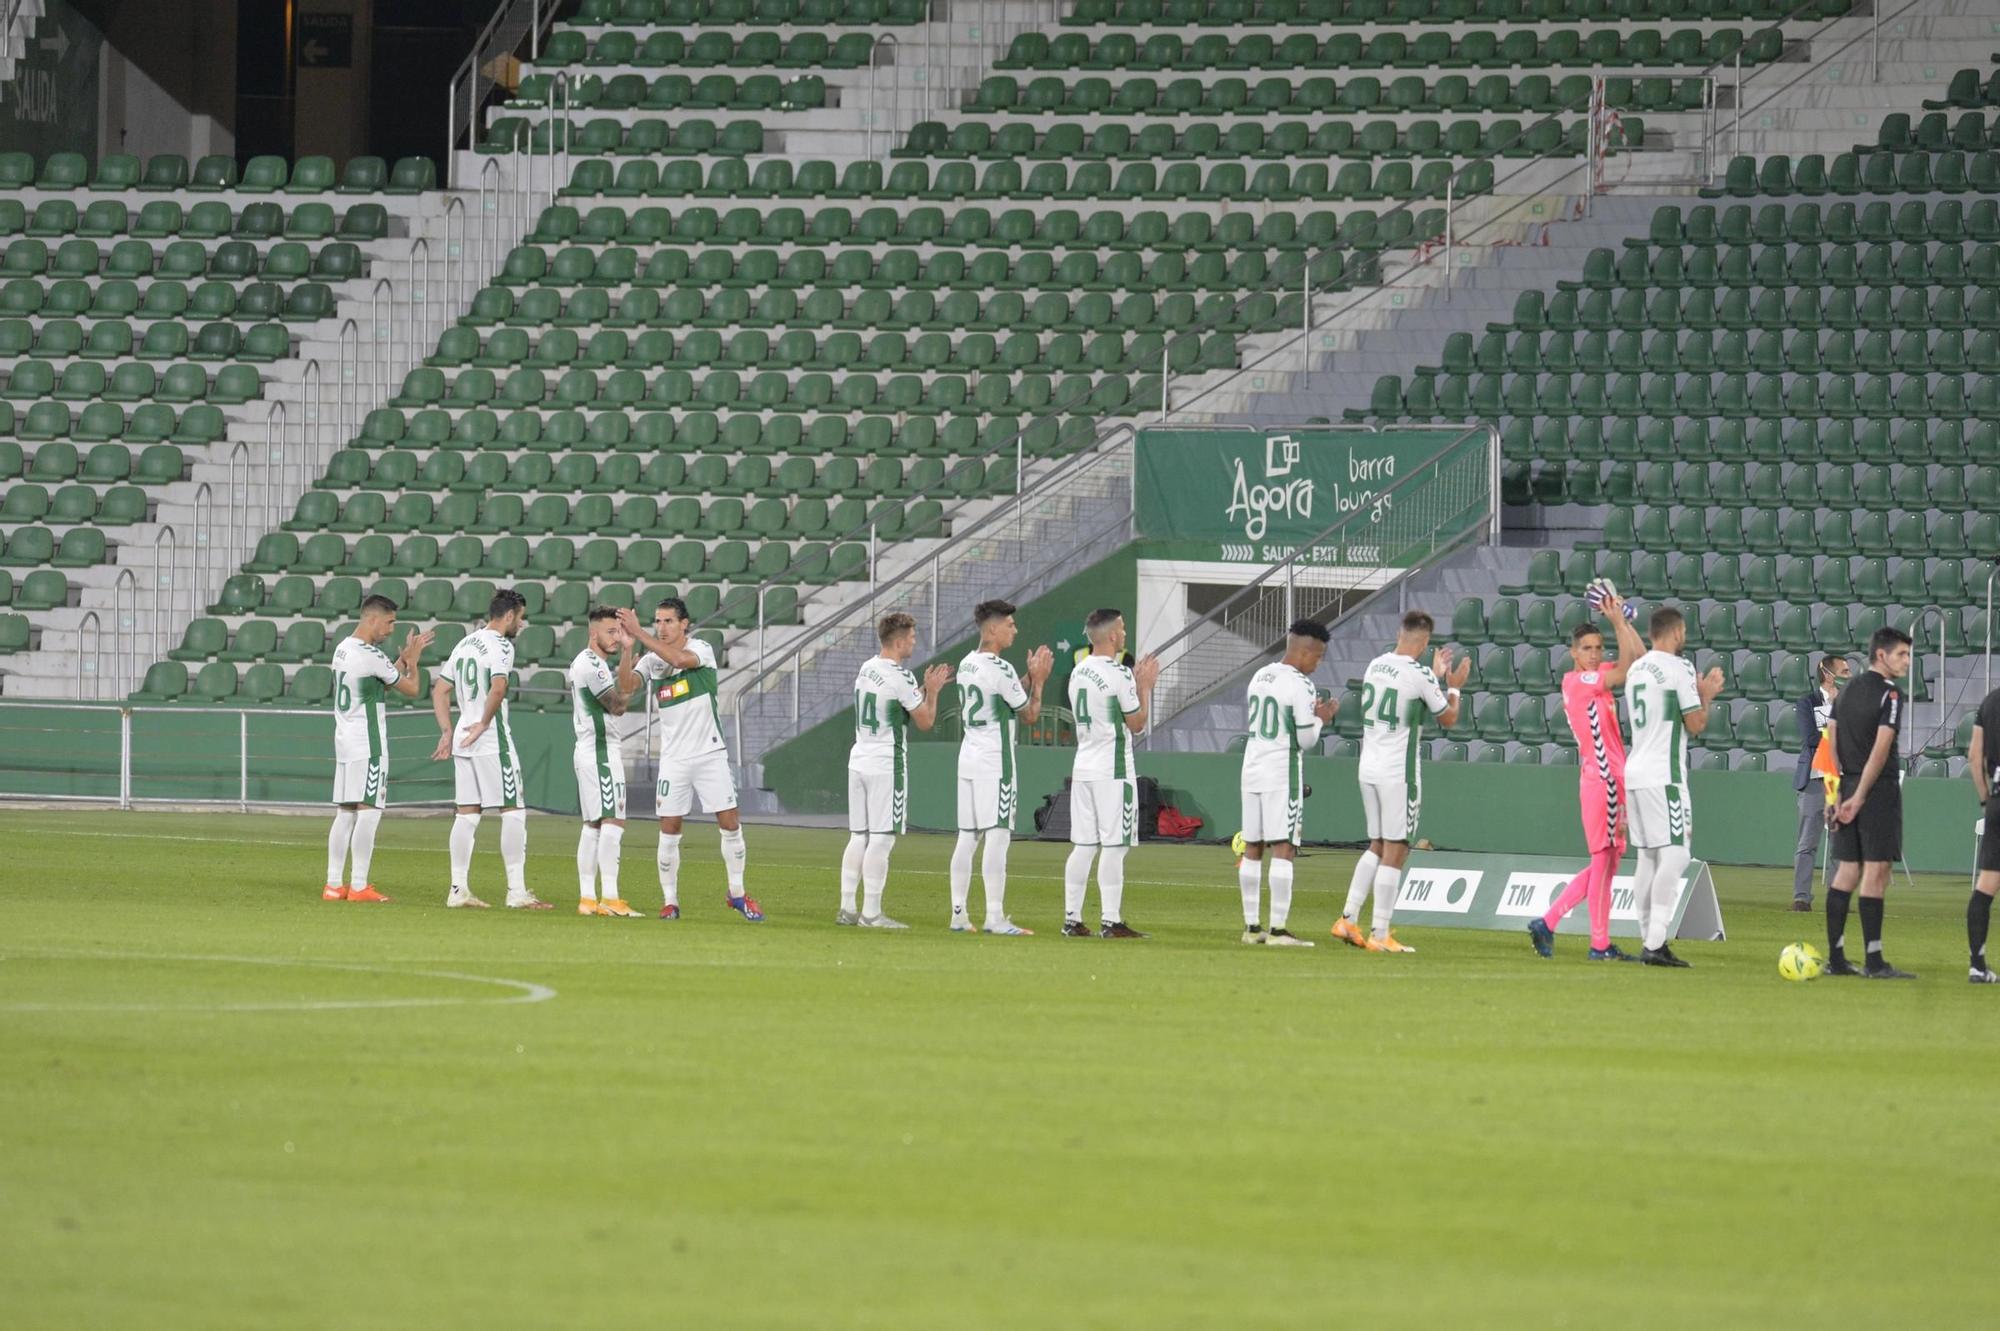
(989, 694)
(1102, 694)
(361, 674)
(1397, 693)
(1282, 727)
(480, 657)
(590, 678)
(885, 693)
(689, 717)
(1658, 689)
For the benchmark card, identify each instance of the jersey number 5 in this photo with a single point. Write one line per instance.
(1638, 705)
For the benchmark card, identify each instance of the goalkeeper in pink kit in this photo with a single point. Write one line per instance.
(1590, 704)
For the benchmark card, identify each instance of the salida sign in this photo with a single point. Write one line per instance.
(1257, 496)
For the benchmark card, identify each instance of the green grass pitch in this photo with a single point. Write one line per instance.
(715, 1124)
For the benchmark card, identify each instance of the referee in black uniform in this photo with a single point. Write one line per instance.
(1868, 825)
(1982, 761)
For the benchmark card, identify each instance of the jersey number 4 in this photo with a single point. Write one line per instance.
(864, 711)
(1390, 713)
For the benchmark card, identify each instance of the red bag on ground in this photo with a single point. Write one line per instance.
(1177, 825)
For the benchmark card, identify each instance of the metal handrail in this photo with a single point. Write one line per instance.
(1817, 63)
(487, 47)
(1067, 470)
(888, 40)
(273, 460)
(94, 626)
(125, 647)
(1278, 282)
(166, 536)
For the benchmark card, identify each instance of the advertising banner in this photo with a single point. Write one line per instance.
(1506, 891)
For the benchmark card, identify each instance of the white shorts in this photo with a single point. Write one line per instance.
(600, 786)
(1391, 809)
(1659, 817)
(877, 802)
(1273, 816)
(1104, 813)
(987, 800)
(489, 780)
(361, 782)
(682, 780)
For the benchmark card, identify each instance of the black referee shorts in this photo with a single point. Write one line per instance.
(1989, 844)
(1876, 834)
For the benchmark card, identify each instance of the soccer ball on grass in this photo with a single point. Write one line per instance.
(1801, 961)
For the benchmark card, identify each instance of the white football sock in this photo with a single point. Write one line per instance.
(464, 830)
(1357, 886)
(365, 823)
(1111, 883)
(514, 849)
(734, 856)
(1384, 911)
(586, 863)
(668, 857)
(610, 844)
(1076, 880)
(961, 871)
(1642, 893)
(336, 846)
(850, 869)
(1281, 892)
(993, 873)
(1250, 882)
(1659, 924)
(875, 872)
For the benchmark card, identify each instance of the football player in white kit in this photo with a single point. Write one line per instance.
(486, 771)
(887, 700)
(694, 762)
(1110, 703)
(992, 700)
(1397, 692)
(1665, 703)
(361, 671)
(1286, 715)
(599, 692)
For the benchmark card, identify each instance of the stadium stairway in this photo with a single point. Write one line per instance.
(1865, 497)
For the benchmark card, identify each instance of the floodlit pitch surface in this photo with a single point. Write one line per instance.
(228, 1104)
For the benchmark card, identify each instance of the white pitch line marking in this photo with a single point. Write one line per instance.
(527, 990)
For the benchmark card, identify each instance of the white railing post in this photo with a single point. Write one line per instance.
(274, 460)
(125, 757)
(243, 761)
(1736, 112)
(1166, 380)
(1875, 42)
(1450, 213)
(1306, 324)
(94, 626)
(125, 625)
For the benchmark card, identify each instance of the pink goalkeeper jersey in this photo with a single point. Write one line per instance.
(1593, 719)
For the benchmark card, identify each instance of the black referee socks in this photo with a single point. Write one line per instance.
(1978, 914)
(1836, 920)
(1871, 926)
